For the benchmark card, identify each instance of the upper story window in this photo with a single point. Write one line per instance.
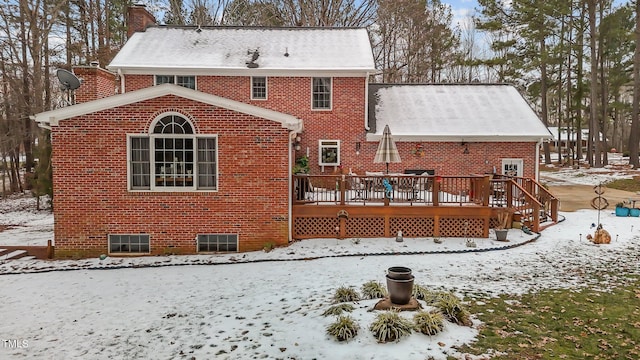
(329, 152)
(173, 158)
(258, 88)
(186, 81)
(321, 93)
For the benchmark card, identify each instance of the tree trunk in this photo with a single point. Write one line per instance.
(543, 94)
(579, 81)
(594, 128)
(634, 136)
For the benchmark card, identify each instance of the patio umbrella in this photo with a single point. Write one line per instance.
(387, 151)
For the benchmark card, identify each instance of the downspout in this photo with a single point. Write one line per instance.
(537, 162)
(292, 136)
(121, 75)
(366, 102)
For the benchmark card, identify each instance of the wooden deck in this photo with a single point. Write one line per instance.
(344, 206)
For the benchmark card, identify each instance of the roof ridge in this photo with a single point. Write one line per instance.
(255, 27)
(443, 84)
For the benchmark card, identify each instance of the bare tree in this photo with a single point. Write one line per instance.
(413, 41)
(25, 27)
(327, 12)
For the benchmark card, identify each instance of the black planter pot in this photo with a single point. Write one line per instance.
(400, 290)
(399, 273)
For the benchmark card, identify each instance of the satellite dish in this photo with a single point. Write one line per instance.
(68, 81)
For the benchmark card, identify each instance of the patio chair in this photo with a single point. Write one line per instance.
(373, 182)
(307, 191)
(422, 185)
(356, 184)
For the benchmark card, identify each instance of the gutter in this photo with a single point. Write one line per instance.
(41, 124)
(292, 136)
(366, 102)
(537, 162)
(121, 75)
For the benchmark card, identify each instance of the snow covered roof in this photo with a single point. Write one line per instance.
(227, 50)
(53, 117)
(453, 112)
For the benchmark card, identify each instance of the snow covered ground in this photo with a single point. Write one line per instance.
(618, 168)
(269, 305)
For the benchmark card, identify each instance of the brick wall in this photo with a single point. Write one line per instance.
(345, 122)
(447, 158)
(138, 19)
(292, 95)
(90, 166)
(90, 182)
(97, 83)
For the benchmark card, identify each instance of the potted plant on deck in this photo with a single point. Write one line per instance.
(301, 166)
(302, 184)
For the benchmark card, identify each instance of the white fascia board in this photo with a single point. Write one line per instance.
(53, 117)
(460, 138)
(355, 72)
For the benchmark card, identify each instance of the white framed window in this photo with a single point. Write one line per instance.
(329, 152)
(512, 167)
(258, 88)
(186, 81)
(321, 93)
(217, 242)
(129, 244)
(172, 158)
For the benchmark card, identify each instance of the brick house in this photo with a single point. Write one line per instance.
(185, 142)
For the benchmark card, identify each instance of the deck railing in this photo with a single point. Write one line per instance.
(520, 186)
(390, 189)
(419, 205)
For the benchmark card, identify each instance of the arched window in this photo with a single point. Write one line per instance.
(172, 157)
(173, 124)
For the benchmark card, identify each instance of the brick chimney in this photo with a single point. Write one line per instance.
(139, 19)
(97, 83)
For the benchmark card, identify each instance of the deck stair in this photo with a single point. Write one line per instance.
(12, 255)
(25, 252)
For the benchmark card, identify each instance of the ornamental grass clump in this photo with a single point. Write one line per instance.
(432, 298)
(429, 322)
(343, 329)
(452, 309)
(390, 326)
(345, 294)
(338, 309)
(420, 292)
(373, 290)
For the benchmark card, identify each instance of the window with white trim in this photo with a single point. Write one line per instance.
(258, 87)
(321, 93)
(173, 158)
(186, 81)
(217, 242)
(129, 243)
(329, 151)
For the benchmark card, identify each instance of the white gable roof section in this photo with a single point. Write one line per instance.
(452, 112)
(53, 117)
(226, 50)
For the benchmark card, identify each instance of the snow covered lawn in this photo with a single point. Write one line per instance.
(270, 305)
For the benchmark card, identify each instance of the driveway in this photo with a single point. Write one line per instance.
(574, 197)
